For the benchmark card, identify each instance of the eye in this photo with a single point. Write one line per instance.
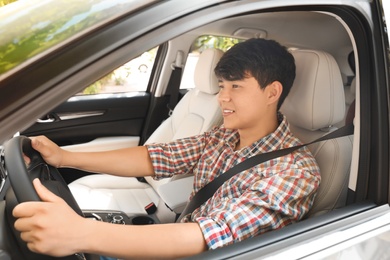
(235, 86)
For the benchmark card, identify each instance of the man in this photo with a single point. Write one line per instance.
(255, 78)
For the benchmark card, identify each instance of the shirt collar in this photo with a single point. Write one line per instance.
(268, 143)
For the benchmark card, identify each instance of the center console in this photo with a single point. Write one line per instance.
(118, 217)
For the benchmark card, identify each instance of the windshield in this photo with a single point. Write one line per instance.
(30, 27)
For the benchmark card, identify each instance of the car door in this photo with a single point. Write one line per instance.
(111, 113)
(115, 105)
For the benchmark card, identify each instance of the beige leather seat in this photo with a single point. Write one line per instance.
(315, 104)
(197, 112)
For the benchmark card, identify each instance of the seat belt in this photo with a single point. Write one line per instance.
(172, 89)
(210, 188)
(174, 81)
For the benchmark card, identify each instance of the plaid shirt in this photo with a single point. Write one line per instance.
(268, 196)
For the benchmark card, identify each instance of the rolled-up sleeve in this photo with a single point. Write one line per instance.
(178, 157)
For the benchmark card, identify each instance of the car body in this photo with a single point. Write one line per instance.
(51, 50)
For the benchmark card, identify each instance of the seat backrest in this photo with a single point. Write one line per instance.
(198, 111)
(314, 105)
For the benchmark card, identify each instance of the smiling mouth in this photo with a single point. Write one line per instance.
(227, 112)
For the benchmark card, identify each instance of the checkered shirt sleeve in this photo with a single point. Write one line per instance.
(179, 157)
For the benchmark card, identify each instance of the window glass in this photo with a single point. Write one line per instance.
(132, 76)
(199, 45)
(216, 42)
(5, 2)
(39, 30)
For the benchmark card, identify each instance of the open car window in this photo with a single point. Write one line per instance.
(133, 76)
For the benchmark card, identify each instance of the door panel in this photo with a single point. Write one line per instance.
(84, 118)
(87, 123)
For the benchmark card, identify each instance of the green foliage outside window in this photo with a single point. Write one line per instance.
(47, 26)
(5, 2)
(216, 42)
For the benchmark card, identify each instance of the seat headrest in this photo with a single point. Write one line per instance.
(204, 77)
(316, 99)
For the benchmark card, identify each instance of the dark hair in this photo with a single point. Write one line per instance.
(266, 60)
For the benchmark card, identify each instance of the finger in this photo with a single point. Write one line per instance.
(24, 224)
(41, 144)
(25, 235)
(36, 143)
(29, 238)
(25, 209)
(26, 159)
(43, 193)
(31, 246)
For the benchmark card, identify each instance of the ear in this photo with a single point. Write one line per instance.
(274, 91)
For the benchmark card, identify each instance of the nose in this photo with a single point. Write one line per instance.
(224, 95)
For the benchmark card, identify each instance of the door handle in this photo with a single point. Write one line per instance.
(45, 121)
(77, 115)
(49, 118)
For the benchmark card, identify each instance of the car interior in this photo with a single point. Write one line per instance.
(318, 86)
(323, 81)
(325, 97)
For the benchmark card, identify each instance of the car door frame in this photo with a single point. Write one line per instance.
(374, 143)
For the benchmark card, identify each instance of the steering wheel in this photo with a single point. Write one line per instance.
(22, 189)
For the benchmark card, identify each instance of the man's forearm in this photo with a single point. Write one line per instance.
(169, 241)
(133, 161)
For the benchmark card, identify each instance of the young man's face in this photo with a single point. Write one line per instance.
(243, 103)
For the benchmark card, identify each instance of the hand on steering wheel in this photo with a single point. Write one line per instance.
(21, 178)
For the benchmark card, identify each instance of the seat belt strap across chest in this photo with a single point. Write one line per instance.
(210, 188)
